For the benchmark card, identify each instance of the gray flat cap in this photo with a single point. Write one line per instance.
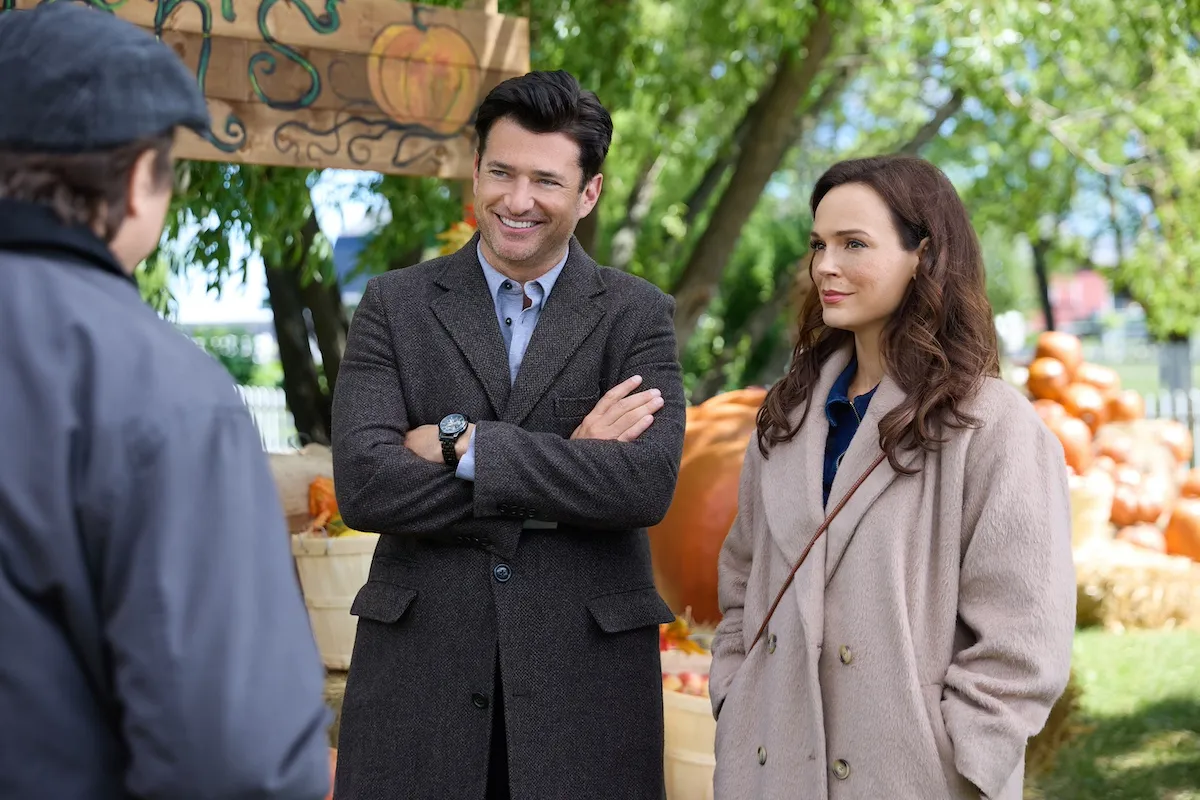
(78, 79)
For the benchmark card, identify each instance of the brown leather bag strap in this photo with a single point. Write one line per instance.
(804, 554)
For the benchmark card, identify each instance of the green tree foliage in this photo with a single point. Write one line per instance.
(1062, 124)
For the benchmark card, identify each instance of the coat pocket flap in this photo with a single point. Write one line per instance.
(627, 611)
(382, 601)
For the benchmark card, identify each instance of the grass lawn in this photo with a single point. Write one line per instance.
(1143, 378)
(1141, 703)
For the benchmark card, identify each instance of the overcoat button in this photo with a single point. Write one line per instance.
(762, 755)
(841, 769)
(845, 655)
(479, 701)
(502, 572)
(771, 643)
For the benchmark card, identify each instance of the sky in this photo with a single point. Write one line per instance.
(242, 301)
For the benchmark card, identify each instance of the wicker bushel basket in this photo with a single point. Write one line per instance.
(689, 738)
(332, 570)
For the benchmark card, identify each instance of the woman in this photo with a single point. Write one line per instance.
(928, 631)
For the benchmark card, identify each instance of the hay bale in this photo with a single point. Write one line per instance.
(335, 692)
(1120, 586)
(1091, 498)
(1063, 725)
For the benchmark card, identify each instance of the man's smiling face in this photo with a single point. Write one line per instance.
(528, 198)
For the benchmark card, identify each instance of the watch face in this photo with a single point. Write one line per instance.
(453, 425)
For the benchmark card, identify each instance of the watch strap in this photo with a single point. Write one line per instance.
(450, 451)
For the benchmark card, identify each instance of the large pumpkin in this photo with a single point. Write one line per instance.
(686, 544)
(1064, 347)
(1183, 529)
(428, 76)
(1048, 379)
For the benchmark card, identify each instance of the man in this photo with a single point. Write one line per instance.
(153, 640)
(486, 423)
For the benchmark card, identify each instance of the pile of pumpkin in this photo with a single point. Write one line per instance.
(1112, 449)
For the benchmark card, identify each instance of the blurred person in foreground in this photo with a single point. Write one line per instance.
(153, 639)
(928, 631)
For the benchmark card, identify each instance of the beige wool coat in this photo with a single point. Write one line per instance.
(927, 634)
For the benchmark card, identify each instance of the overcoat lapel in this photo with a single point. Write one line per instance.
(792, 504)
(468, 313)
(568, 318)
(863, 450)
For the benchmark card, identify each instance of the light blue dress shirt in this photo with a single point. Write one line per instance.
(516, 323)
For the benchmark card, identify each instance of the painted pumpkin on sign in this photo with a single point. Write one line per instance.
(427, 76)
(686, 544)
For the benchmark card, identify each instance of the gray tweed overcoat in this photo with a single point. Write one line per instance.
(573, 611)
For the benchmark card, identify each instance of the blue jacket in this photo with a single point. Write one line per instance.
(153, 638)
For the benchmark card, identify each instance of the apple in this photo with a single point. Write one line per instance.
(672, 683)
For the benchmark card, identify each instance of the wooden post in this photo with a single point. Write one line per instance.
(468, 191)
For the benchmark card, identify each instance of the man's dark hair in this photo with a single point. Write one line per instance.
(89, 189)
(551, 102)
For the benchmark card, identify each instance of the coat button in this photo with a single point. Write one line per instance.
(771, 643)
(762, 755)
(845, 655)
(841, 769)
(502, 572)
(479, 701)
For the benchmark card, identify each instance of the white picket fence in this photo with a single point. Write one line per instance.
(1180, 405)
(269, 408)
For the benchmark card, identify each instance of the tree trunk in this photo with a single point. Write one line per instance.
(308, 404)
(929, 131)
(1040, 270)
(761, 155)
(1175, 363)
(588, 230)
(324, 303)
(757, 327)
(624, 243)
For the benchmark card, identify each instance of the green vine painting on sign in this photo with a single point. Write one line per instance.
(376, 85)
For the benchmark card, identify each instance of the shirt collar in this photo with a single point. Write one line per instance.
(840, 391)
(495, 279)
(35, 228)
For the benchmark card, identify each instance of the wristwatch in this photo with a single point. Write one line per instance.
(450, 429)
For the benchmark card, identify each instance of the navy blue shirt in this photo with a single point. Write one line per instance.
(844, 415)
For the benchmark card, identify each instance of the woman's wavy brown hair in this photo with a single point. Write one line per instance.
(940, 343)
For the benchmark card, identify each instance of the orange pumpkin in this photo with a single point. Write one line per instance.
(1118, 447)
(1125, 506)
(322, 501)
(1103, 378)
(1183, 529)
(1126, 406)
(1076, 438)
(1051, 411)
(686, 544)
(1064, 347)
(1048, 379)
(332, 771)
(1178, 438)
(427, 76)
(1191, 484)
(1085, 401)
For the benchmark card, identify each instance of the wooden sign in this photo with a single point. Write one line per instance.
(355, 84)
